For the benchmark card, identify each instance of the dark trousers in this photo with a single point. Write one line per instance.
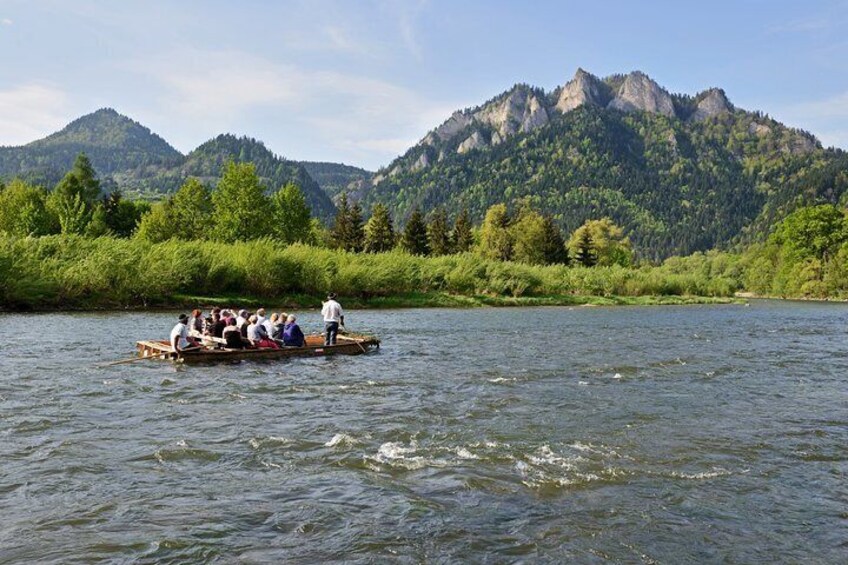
(331, 329)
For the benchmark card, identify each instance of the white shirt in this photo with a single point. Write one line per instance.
(269, 327)
(180, 330)
(255, 332)
(332, 311)
(240, 321)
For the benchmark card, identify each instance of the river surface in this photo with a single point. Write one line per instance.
(692, 434)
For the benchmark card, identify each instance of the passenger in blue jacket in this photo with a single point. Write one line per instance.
(292, 336)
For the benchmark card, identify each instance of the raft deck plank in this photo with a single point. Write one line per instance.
(346, 345)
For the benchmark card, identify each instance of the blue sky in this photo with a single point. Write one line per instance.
(360, 81)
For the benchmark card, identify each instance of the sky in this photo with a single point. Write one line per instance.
(360, 81)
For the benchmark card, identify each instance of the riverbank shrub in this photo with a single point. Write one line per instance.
(75, 271)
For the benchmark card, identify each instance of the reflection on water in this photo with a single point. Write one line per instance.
(664, 434)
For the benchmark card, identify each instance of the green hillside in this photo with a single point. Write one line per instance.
(335, 178)
(702, 175)
(129, 156)
(113, 142)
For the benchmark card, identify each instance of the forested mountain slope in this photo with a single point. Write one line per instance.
(113, 142)
(680, 173)
(335, 178)
(130, 157)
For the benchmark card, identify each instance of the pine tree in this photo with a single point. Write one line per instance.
(348, 232)
(82, 180)
(356, 237)
(553, 244)
(414, 238)
(341, 225)
(379, 232)
(438, 233)
(585, 254)
(463, 238)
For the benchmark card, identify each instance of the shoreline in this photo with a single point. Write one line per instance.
(409, 300)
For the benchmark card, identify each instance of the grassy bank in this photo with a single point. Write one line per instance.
(66, 272)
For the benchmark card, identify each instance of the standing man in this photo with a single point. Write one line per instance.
(333, 318)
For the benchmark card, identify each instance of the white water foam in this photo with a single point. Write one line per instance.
(342, 440)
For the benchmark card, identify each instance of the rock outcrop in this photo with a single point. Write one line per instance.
(584, 88)
(457, 122)
(639, 92)
(524, 109)
(474, 141)
(713, 103)
(519, 111)
(422, 163)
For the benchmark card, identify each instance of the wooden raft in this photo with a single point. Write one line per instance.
(346, 345)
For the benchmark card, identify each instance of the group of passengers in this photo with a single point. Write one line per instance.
(239, 330)
(243, 329)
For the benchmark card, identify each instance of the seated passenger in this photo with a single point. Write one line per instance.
(258, 336)
(195, 324)
(279, 326)
(292, 335)
(219, 324)
(244, 324)
(233, 336)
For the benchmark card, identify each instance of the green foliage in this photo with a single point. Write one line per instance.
(23, 210)
(379, 231)
(348, 232)
(191, 210)
(805, 256)
(335, 178)
(141, 163)
(241, 207)
(495, 236)
(582, 247)
(414, 239)
(600, 242)
(675, 186)
(71, 210)
(813, 232)
(438, 233)
(552, 244)
(121, 215)
(462, 236)
(73, 271)
(292, 221)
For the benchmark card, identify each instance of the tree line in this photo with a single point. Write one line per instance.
(240, 209)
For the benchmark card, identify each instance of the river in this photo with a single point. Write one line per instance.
(629, 434)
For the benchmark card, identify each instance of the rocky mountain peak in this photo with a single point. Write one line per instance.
(458, 121)
(640, 92)
(521, 110)
(584, 88)
(713, 102)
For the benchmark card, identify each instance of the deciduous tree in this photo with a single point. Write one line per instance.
(242, 210)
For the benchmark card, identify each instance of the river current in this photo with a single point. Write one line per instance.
(690, 434)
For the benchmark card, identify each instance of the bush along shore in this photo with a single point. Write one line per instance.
(75, 272)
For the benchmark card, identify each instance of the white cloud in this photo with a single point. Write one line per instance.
(6, 22)
(31, 111)
(833, 107)
(363, 119)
